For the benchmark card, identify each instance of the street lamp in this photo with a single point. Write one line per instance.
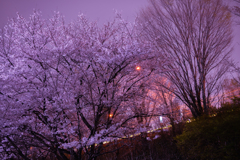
(110, 115)
(138, 68)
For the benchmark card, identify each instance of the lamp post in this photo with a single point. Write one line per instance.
(138, 68)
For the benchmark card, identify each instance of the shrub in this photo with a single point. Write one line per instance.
(213, 137)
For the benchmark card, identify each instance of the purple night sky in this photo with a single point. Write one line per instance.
(96, 10)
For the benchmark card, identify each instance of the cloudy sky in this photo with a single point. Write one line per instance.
(95, 10)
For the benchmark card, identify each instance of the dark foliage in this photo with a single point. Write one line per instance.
(213, 137)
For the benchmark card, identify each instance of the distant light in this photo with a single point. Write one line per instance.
(161, 119)
(110, 115)
(138, 68)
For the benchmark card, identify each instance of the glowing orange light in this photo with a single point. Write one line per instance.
(110, 115)
(138, 68)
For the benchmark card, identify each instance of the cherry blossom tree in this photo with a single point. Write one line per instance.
(67, 88)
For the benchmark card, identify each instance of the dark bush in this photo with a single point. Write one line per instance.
(213, 137)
